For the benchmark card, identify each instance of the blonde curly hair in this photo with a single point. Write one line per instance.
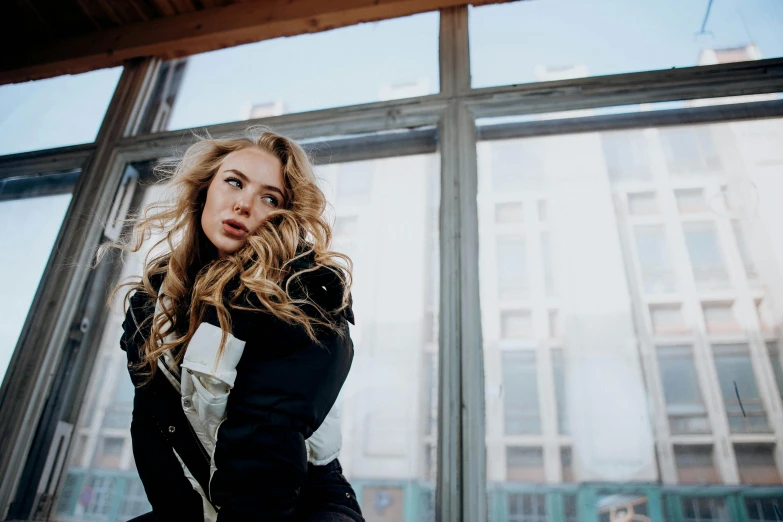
(266, 266)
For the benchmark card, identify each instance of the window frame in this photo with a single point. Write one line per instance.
(39, 369)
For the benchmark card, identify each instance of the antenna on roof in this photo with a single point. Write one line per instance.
(704, 23)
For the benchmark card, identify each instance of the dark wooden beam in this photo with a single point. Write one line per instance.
(201, 31)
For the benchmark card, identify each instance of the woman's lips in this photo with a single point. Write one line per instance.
(234, 231)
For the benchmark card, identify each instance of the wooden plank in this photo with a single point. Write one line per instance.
(201, 31)
(163, 7)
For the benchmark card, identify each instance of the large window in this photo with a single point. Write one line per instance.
(619, 374)
(625, 309)
(30, 220)
(573, 39)
(359, 64)
(388, 402)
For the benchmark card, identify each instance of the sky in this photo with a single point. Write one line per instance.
(352, 65)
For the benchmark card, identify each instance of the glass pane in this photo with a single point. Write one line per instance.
(28, 229)
(525, 464)
(702, 509)
(364, 63)
(684, 404)
(738, 387)
(389, 412)
(575, 39)
(642, 203)
(616, 355)
(668, 319)
(706, 257)
(652, 249)
(695, 465)
(756, 464)
(720, 318)
(389, 402)
(764, 509)
(66, 110)
(690, 151)
(691, 201)
(520, 391)
(527, 508)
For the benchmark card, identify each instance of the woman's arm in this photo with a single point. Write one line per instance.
(275, 405)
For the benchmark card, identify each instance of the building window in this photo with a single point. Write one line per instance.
(756, 464)
(525, 464)
(134, 500)
(103, 490)
(764, 509)
(719, 318)
(642, 203)
(691, 201)
(777, 367)
(706, 259)
(512, 267)
(626, 156)
(524, 507)
(705, 509)
(684, 404)
(667, 319)
(520, 397)
(110, 454)
(695, 465)
(558, 369)
(516, 324)
(508, 213)
(738, 387)
(653, 252)
(690, 150)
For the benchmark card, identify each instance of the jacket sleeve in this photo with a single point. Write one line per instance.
(260, 455)
(169, 492)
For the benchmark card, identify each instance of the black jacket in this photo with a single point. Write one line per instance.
(285, 386)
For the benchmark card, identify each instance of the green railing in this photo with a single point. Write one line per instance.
(116, 496)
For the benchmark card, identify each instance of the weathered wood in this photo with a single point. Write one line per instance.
(201, 31)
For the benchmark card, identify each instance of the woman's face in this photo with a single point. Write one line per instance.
(248, 186)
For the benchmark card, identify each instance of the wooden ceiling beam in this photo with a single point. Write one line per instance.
(201, 31)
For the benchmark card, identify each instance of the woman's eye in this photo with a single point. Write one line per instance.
(234, 182)
(271, 200)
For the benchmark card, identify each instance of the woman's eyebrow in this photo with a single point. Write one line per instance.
(270, 188)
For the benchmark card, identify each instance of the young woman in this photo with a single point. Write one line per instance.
(237, 340)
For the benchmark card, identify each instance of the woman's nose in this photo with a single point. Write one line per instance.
(241, 206)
